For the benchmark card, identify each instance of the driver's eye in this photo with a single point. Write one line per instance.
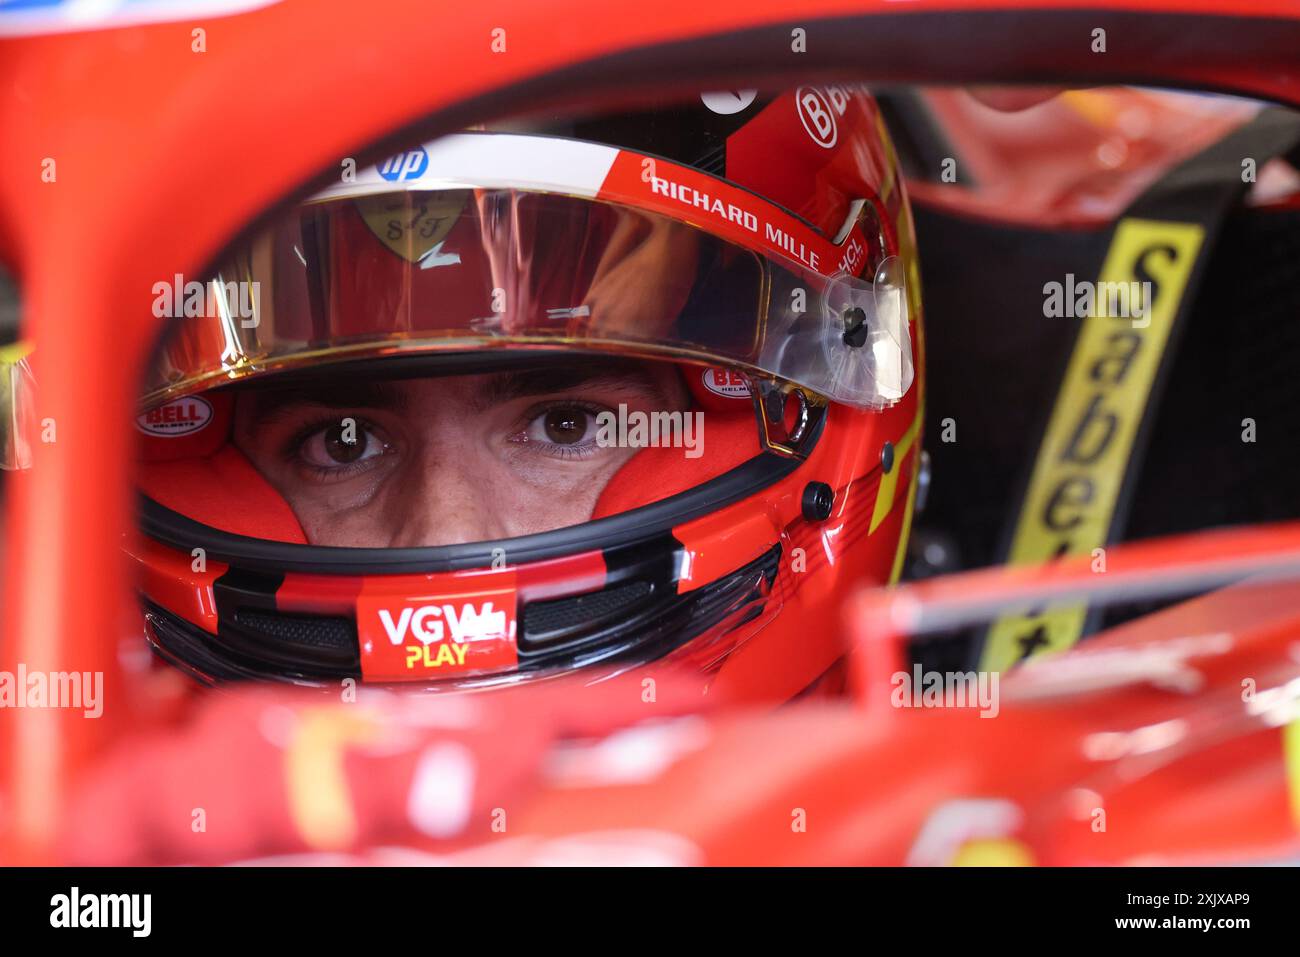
(567, 429)
(344, 446)
(566, 426)
(343, 443)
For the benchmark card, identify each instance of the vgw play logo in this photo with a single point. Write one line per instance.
(471, 623)
(414, 638)
(409, 165)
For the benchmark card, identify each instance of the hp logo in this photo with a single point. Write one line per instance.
(408, 165)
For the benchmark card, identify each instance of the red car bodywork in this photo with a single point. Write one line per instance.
(164, 154)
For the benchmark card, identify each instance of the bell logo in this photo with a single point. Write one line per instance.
(178, 417)
(726, 382)
(429, 623)
(816, 113)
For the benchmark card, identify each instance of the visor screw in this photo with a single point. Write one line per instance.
(855, 327)
(887, 457)
(818, 500)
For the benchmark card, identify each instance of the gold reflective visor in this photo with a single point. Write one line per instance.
(457, 269)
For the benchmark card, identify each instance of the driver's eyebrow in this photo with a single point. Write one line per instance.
(269, 404)
(631, 378)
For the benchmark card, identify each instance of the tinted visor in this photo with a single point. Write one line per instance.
(451, 269)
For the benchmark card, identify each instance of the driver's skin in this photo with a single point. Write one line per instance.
(446, 460)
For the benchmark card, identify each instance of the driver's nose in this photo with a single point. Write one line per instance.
(443, 498)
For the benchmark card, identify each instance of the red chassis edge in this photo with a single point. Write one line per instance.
(81, 97)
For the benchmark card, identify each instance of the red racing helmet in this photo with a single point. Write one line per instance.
(321, 498)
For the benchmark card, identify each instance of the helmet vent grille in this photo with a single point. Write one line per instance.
(310, 631)
(543, 618)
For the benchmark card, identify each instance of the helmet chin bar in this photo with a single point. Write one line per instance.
(640, 615)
